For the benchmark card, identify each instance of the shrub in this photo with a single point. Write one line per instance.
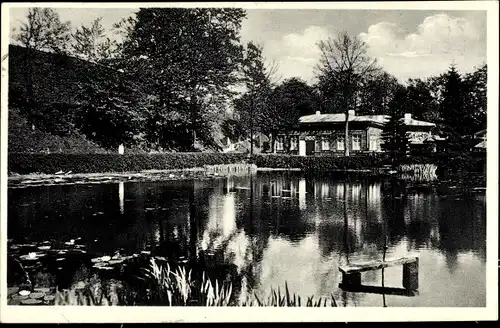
(24, 163)
(320, 163)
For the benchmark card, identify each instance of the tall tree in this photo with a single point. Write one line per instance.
(376, 93)
(90, 42)
(452, 106)
(420, 101)
(475, 85)
(253, 106)
(345, 61)
(394, 138)
(42, 31)
(189, 59)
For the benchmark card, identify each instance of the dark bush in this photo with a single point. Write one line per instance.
(24, 163)
(320, 163)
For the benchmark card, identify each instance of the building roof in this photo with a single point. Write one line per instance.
(374, 119)
(480, 134)
(339, 118)
(414, 122)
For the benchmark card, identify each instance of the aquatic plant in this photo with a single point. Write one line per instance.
(276, 299)
(177, 287)
(418, 172)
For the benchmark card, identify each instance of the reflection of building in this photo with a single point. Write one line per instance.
(302, 194)
(323, 134)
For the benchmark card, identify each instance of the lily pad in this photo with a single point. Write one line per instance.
(19, 297)
(101, 267)
(43, 248)
(12, 290)
(60, 259)
(49, 298)
(112, 262)
(37, 295)
(42, 290)
(31, 301)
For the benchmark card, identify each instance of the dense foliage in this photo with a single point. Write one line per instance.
(181, 80)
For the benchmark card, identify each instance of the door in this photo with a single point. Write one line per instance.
(309, 147)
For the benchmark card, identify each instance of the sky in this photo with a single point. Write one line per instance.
(407, 43)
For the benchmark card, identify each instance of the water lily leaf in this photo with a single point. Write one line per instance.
(112, 262)
(12, 290)
(31, 301)
(49, 298)
(37, 295)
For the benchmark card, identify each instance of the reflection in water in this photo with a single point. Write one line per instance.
(121, 196)
(263, 230)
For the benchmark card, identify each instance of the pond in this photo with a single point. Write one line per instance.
(262, 230)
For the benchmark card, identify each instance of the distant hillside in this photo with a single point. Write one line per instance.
(54, 79)
(54, 76)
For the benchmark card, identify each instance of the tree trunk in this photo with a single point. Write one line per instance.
(193, 120)
(346, 135)
(251, 123)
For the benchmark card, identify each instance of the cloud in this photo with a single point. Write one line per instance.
(297, 53)
(437, 42)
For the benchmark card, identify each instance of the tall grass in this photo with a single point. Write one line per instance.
(418, 172)
(177, 287)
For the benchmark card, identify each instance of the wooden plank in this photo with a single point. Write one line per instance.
(378, 290)
(375, 265)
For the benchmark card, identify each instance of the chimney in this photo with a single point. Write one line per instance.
(318, 112)
(352, 112)
(407, 116)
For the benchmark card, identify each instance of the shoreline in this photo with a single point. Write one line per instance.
(69, 178)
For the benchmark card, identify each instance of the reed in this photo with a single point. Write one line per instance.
(418, 172)
(230, 169)
(177, 287)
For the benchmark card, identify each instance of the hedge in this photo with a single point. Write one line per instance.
(320, 163)
(25, 163)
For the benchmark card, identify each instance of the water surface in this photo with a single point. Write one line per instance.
(269, 228)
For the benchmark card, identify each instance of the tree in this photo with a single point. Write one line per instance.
(90, 42)
(253, 106)
(452, 107)
(110, 108)
(475, 85)
(420, 101)
(345, 62)
(43, 31)
(188, 58)
(394, 138)
(376, 93)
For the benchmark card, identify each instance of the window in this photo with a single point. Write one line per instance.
(374, 143)
(279, 143)
(340, 142)
(325, 144)
(293, 143)
(356, 142)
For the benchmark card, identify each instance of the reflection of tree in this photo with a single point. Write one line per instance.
(457, 224)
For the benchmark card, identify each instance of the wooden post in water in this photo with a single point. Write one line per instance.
(410, 275)
(352, 279)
